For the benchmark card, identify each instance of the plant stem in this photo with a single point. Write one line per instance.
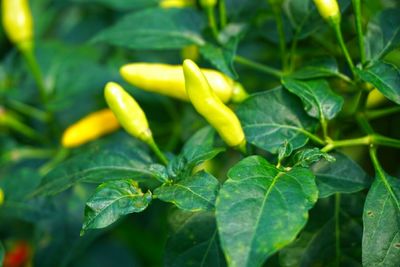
(385, 141)
(324, 126)
(360, 35)
(337, 228)
(380, 173)
(152, 144)
(339, 36)
(281, 32)
(29, 110)
(30, 58)
(258, 66)
(366, 140)
(61, 154)
(375, 114)
(222, 13)
(313, 137)
(211, 21)
(364, 124)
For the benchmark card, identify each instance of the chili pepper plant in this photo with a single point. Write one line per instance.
(200, 133)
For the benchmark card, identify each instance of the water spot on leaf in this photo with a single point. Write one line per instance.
(397, 245)
(370, 214)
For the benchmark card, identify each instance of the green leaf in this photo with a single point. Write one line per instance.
(199, 148)
(122, 4)
(381, 239)
(195, 243)
(383, 34)
(194, 193)
(2, 253)
(271, 118)
(113, 200)
(11, 184)
(385, 77)
(155, 29)
(319, 68)
(221, 57)
(319, 100)
(340, 176)
(306, 157)
(126, 159)
(260, 209)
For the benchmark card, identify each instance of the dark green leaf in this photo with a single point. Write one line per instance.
(221, 57)
(122, 4)
(11, 184)
(319, 100)
(2, 253)
(127, 159)
(199, 148)
(385, 77)
(308, 156)
(340, 176)
(261, 209)
(383, 34)
(194, 193)
(155, 29)
(319, 68)
(113, 200)
(381, 239)
(195, 243)
(271, 118)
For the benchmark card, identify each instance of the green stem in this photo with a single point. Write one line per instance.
(375, 114)
(313, 137)
(61, 154)
(380, 173)
(324, 126)
(212, 22)
(222, 13)
(27, 153)
(258, 66)
(337, 229)
(281, 32)
(385, 141)
(360, 35)
(30, 58)
(152, 144)
(29, 110)
(366, 140)
(364, 124)
(339, 36)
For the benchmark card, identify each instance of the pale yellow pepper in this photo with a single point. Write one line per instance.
(17, 21)
(1, 196)
(90, 128)
(328, 9)
(177, 3)
(169, 80)
(207, 103)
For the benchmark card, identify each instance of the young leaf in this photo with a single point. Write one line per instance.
(194, 193)
(342, 175)
(195, 243)
(113, 200)
(261, 209)
(166, 29)
(271, 118)
(381, 238)
(319, 100)
(308, 156)
(383, 34)
(385, 77)
(199, 148)
(125, 159)
(221, 57)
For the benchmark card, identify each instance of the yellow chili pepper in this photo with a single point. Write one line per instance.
(17, 21)
(176, 3)
(375, 99)
(128, 112)
(206, 102)
(169, 80)
(1, 196)
(89, 128)
(329, 9)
